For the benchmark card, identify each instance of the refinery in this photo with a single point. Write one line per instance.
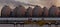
(30, 13)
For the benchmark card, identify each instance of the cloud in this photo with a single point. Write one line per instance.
(13, 2)
(42, 3)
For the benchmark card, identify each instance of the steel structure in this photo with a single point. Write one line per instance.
(21, 21)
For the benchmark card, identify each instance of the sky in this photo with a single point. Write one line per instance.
(29, 3)
(42, 3)
(58, 3)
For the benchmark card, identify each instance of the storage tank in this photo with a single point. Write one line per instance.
(5, 12)
(19, 11)
(45, 12)
(37, 11)
(29, 12)
(53, 11)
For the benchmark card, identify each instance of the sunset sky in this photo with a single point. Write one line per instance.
(57, 3)
(42, 3)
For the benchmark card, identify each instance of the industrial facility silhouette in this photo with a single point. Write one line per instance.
(37, 11)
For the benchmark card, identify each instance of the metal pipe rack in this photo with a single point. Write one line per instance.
(16, 21)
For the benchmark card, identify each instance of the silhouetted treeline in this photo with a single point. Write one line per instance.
(37, 11)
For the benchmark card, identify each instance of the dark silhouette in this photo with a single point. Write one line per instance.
(59, 11)
(19, 11)
(37, 11)
(29, 12)
(5, 12)
(11, 14)
(45, 12)
(53, 11)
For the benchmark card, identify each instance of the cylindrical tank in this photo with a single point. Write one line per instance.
(5, 12)
(19, 11)
(37, 11)
(45, 12)
(29, 12)
(54, 11)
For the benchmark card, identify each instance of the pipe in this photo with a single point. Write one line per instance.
(56, 24)
(49, 25)
(21, 25)
(15, 24)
